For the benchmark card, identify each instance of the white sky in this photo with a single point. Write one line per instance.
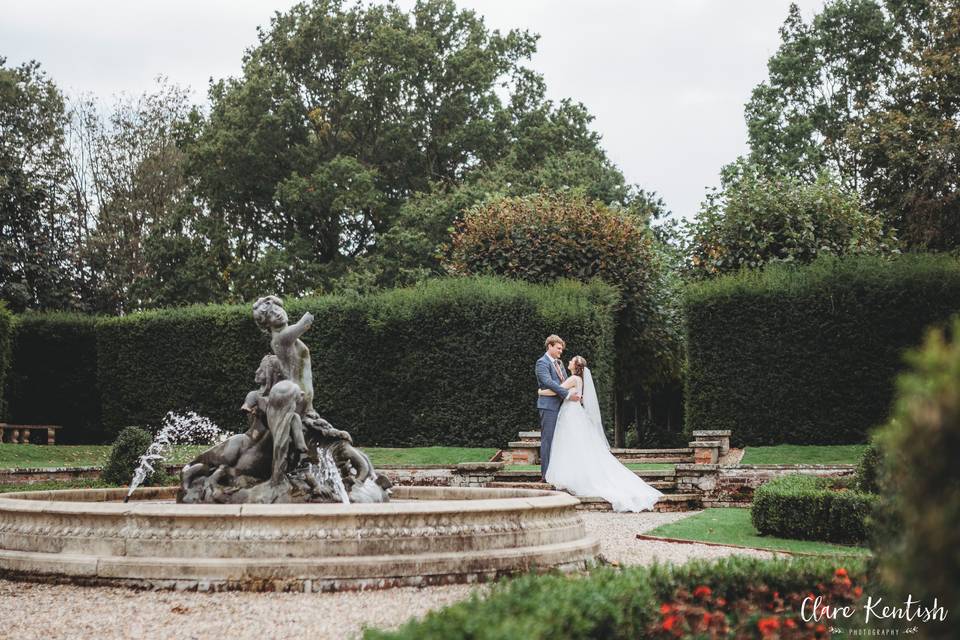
(666, 79)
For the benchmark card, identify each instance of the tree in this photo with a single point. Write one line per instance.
(545, 237)
(911, 146)
(146, 242)
(755, 219)
(867, 91)
(356, 135)
(36, 245)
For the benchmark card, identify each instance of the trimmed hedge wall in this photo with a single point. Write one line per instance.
(6, 338)
(811, 508)
(448, 363)
(54, 379)
(808, 355)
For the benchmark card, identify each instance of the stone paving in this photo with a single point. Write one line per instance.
(50, 611)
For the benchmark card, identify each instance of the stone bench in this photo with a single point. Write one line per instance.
(20, 433)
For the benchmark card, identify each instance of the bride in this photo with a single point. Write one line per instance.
(580, 459)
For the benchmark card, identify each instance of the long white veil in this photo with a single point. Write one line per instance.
(591, 405)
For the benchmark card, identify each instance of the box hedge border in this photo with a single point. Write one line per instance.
(809, 355)
(812, 508)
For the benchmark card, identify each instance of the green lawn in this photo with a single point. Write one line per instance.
(428, 455)
(635, 466)
(54, 485)
(20, 456)
(804, 454)
(733, 526)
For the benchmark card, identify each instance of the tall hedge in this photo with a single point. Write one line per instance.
(53, 380)
(6, 338)
(808, 355)
(447, 363)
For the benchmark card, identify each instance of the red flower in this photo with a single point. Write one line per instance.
(721, 602)
(706, 619)
(768, 625)
(821, 628)
(790, 623)
(669, 622)
(857, 591)
(702, 591)
(841, 573)
(665, 608)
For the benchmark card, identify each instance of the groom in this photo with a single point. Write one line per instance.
(550, 374)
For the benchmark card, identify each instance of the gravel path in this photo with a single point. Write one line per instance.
(47, 611)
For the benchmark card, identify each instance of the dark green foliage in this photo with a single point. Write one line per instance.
(6, 338)
(54, 378)
(446, 363)
(811, 508)
(918, 533)
(608, 604)
(808, 355)
(868, 469)
(125, 456)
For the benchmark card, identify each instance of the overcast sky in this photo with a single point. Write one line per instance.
(666, 79)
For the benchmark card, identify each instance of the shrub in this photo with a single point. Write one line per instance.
(916, 546)
(125, 456)
(868, 469)
(809, 355)
(811, 508)
(545, 237)
(446, 363)
(757, 219)
(6, 333)
(638, 602)
(54, 378)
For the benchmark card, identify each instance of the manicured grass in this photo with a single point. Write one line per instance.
(804, 454)
(635, 466)
(733, 526)
(55, 485)
(20, 456)
(428, 455)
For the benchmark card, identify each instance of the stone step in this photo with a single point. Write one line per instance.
(667, 503)
(673, 456)
(666, 486)
(530, 435)
(533, 475)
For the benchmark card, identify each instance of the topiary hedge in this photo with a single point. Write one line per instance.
(449, 362)
(808, 355)
(732, 597)
(811, 508)
(6, 338)
(54, 379)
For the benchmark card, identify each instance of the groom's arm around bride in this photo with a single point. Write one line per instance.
(550, 376)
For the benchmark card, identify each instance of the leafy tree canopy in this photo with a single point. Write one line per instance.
(868, 91)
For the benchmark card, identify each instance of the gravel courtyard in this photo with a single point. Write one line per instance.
(45, 611)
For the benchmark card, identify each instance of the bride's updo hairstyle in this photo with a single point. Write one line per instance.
(579, 364)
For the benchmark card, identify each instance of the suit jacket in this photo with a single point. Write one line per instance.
(548, 378)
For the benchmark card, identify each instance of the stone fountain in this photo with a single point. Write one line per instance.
(288, 453)
(290, 504)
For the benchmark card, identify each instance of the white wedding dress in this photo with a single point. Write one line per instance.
(580, 458)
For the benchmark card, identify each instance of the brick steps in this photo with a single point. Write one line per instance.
(533, 475)
(665, 486)
(669, 502)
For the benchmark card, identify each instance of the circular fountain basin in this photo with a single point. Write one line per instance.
(428, 535)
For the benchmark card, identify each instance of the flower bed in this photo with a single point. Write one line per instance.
(738, 597)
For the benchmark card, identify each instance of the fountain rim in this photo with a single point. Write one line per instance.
(107, 503)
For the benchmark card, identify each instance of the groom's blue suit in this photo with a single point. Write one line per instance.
(549, 406)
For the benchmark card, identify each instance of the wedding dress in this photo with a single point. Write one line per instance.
(581, 462)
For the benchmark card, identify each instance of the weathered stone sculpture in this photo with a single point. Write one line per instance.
(288, 453)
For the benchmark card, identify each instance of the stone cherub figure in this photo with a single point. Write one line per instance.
(272, 460)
